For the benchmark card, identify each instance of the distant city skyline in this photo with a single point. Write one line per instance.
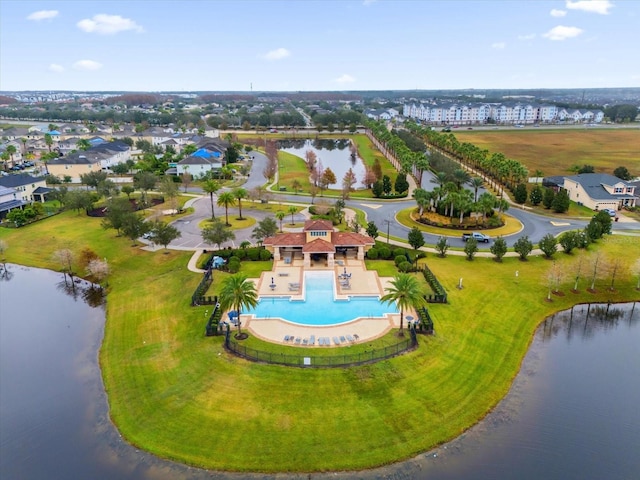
(311, 45)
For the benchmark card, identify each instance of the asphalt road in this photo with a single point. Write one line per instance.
(379, 211)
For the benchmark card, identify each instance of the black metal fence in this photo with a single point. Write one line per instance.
(309, 360)
(198, 297)
(214, 327)
(425, 322)
(439, 293)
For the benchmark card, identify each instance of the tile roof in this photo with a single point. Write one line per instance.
(319, 246)
(286, 240)
(318, 225)
(351, 238)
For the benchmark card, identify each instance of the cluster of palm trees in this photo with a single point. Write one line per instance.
(449, 198)
(225, 199)
(412, 162)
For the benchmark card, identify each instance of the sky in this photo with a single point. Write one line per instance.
(307, 45)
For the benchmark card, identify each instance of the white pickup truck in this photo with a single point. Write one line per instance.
(480, 237)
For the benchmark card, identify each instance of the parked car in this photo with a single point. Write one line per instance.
(480, 237)
(610, 211)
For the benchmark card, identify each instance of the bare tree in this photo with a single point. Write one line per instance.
(98, 270)
(310, 158)
(579, 265)
(595, 263)
(65, 257)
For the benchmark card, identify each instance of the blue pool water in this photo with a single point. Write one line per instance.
(320, 307)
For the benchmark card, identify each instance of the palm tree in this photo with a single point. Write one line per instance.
(460, 177)
(280, 216)
(406, 292)
(292, 211)
(211, 187)
(226, 199)
(239, 193)
(476, 183)
(83, 144)
(237, 293)
(11, 150)
(48, 139)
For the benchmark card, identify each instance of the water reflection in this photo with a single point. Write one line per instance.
(339, 155)
(585, 321)
(74, 287)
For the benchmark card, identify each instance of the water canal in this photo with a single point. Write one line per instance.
(573, 411)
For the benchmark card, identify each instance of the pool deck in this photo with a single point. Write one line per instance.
(287, 280)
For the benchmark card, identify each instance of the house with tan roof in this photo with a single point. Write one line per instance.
(318, 242)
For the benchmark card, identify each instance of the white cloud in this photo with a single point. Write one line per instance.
(562, 33)
(592, 6)
(557, 13)
(345, 78)
(498, 45)
(87, 65)
(43, 15)
(108, 24)
(529, 36)
(277, 54)
(54, 67)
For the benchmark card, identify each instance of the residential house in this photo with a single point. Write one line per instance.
(600, 190)
(28, 189)
(9, 200)
(75, 164)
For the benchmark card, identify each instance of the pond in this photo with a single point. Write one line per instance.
(331, 153)
(572, 412)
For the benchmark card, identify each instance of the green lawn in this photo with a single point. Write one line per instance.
(178, 394)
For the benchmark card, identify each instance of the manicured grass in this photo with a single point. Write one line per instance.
(234, 222)
(178, 394)
(554, 152)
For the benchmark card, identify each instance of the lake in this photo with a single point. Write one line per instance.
(332, 153)
(572, 413)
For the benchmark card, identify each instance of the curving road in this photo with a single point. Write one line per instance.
(379, 211)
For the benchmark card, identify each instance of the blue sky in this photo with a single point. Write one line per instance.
(145, 45)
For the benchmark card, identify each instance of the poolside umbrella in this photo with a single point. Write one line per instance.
(271, 280)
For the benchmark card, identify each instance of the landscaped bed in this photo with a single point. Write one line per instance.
(180, 395)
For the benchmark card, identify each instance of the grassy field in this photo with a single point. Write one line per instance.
(554, 152)
(178, 394)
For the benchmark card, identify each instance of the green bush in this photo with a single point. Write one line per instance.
(494, 221)
(399, 251)
(265, 255)
(372, 254)
(234, 267)
(253, 254)
(400, 259)
(385, 253)
(405, 266)
(240, 253)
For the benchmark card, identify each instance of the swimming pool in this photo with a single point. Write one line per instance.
(320, 306)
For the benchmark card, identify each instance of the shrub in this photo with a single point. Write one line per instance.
(405, 266)
(265, 255)
(523, 247)
(494, 221)
(569, 240)
(372, 254)
(520, 193)
(233, 267)
(253, 254)
(471, 248)
(385, 253)
(241, 254)
(400, 259)
(499, 248)
(549, 245)
(442, 246)
(399, 251)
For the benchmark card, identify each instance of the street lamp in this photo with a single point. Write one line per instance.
(388, 222)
